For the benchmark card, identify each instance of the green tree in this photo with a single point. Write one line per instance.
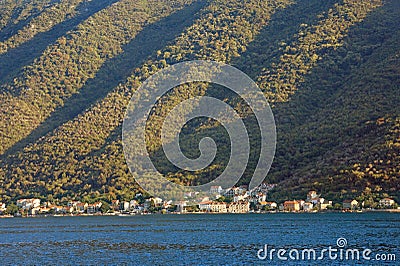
(105, 207)
(12, 209)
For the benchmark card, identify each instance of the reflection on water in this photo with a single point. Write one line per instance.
(187, 239)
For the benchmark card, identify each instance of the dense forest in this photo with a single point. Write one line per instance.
(330, 70)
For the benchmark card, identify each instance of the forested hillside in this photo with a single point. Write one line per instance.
(330, 70)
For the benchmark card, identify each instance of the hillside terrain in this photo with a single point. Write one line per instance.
(329, 69)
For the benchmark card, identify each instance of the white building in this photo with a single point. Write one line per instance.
(239, 207)
(386, 202)
(157, 201)
(180, 206)
(216, 190)
(81, 207)
(317, 201)
(133, 204)
(231, 192)
(27, 204)
(94, 208)
(312, 195)
(240, 197)
(325, 205)
(218, 207)
(205, 205)
(261, 197)
(308, 207)
(124, 206)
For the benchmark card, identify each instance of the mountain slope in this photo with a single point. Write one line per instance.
(72, 144)
(64, 67)
(344, 118)
(329, 69)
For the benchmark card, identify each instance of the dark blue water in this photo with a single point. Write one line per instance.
(192, 239)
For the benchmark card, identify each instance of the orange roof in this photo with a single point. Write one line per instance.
(218, 203)
(291, 202)
(205, 202)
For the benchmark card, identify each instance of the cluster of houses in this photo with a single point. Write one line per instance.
(135, 207)
(313, 202)
(233, 200)
(34, 207)
(237, 199)
(244, 201)
(385, 203)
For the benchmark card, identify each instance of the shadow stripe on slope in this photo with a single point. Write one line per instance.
(253, 21)
(13, 61)
(15, 17)
(114, 71)
(337, 132)
(309, 46)
(46, 20)
(66, 66)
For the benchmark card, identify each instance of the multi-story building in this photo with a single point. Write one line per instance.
(291, 205)
(239, 207)
(218, 207)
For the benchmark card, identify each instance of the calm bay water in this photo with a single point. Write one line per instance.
(191, 239)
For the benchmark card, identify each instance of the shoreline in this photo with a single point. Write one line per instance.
(197, 213)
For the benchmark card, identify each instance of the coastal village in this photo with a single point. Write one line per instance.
(233, 200)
